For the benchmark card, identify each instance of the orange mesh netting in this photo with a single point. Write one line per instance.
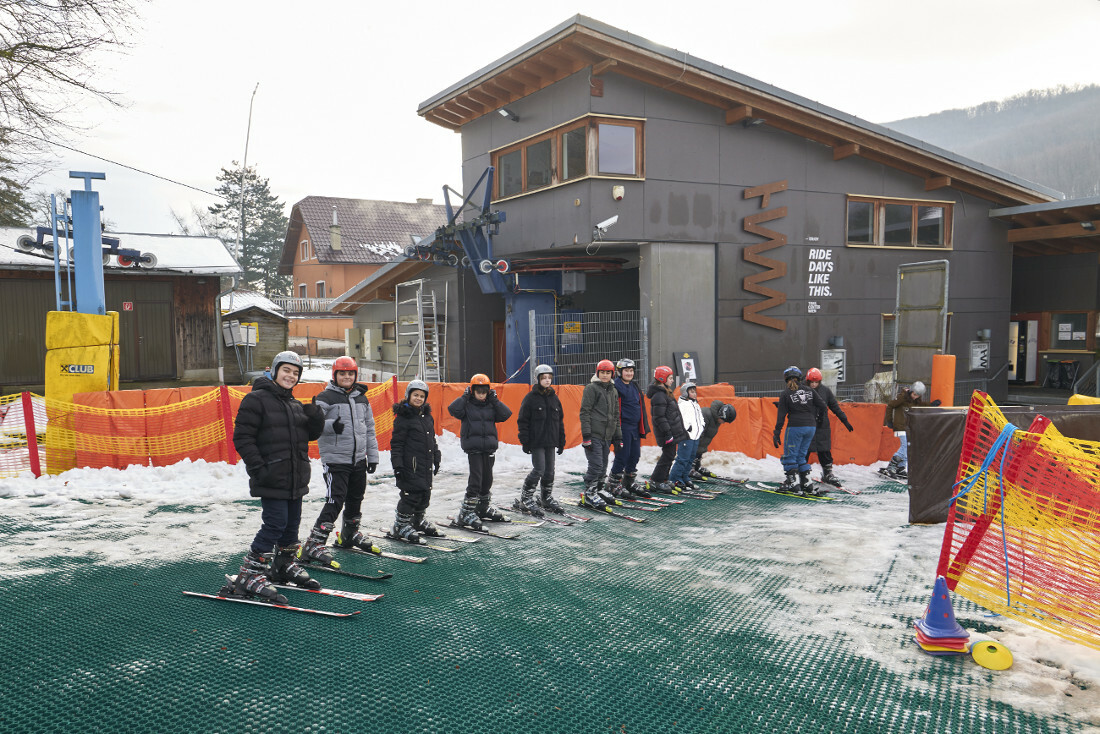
(1023, 533)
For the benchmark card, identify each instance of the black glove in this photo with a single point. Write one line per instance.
(848, 426)
(618, 447)
(435, 467)
(526, 450)
(936, 403)
(371, 466)
(338, 426)
(492, 396)
(561, 450)
(312, 411)
(466, 392)
(587, 443)
(775, 439)
(399, 473)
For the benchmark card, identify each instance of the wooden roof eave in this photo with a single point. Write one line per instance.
(379, 287)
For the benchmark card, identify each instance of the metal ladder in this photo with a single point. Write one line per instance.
(425, 349)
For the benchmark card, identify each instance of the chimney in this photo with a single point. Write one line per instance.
(334, 231)
(423, 201)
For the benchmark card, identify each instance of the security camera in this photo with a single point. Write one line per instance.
(607, 223)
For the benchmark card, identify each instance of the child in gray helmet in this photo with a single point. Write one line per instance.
(415, 457)
(541, 434)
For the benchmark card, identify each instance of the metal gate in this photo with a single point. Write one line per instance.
(573, 343)
(921, 320)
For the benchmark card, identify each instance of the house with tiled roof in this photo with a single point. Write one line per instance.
(331, 244)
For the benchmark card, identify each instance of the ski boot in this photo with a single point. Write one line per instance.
(350, 537)
(403, 528)
(638, 490)
(827, 476)
(285, 569)
(314, 549)
(620, 492)
(591, 499)
(467, 514)
(790, 484)
(549, 502)
(605, 494)
(425, 527)
(526, 504)
(901, 473)
(665, 487)
(252, 581)
(891, 470)
(805, 486)
(487, 512)
(706, 473)
(696, 475)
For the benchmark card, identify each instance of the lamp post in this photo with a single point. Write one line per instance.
(244, 170)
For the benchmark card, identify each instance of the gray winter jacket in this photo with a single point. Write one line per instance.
(600, 411)
(357, 442)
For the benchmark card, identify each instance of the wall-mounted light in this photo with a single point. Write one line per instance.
(752, 122)
(984, 334)
(1088, 226)
(505, 112)
(836, 342)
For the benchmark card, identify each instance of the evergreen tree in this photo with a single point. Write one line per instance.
(15, 210)
(264, 227)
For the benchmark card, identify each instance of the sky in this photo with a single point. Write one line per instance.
(339, 82)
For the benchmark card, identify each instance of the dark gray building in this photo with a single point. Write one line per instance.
(659, 205)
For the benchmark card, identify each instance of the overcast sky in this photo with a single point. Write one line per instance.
(340, 82)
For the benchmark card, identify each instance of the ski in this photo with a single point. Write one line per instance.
(285, 607)
(576, 518)
(545, 518)
(360, 551)
(483, 531)
(652, 503)
(634, 506)
(609, 511)
(836, 487)
(327, 592)
(773, 488)
(899, 480)
(383, 533)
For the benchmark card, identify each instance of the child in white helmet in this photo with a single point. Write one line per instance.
(898, 412)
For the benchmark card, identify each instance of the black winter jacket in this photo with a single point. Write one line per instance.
(541, 420)
(272, 435)
(823, 439)
(799, 408)
(412, 446)
(479, 421)
(710, 425)
(667, 419)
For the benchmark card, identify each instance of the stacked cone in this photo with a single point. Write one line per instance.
(937, 632)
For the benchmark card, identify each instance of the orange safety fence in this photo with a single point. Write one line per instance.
(1023, 533)
(161, 427)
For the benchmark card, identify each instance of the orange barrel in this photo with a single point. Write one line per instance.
(943, 379)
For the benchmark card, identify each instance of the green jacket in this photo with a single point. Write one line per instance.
(600, 411)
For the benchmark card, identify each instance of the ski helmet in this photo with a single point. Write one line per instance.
(689, 385)
(625, 364)
(416, 385)
(287, 357)
(813, 375)
(605, 365)
(728, 413)
(543, 369)
(917, 389)
(479, 379)
(792, 371)
(344, 364)
(661, 374)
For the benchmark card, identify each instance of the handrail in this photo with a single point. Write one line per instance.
(1083, 381)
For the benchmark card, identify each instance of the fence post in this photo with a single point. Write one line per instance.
(227, 420)
(533, 344)
(395, 398)
(32, 434)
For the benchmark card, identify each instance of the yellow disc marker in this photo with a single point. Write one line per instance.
(991, 654)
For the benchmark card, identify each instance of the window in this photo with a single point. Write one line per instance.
(600, 146)
(389, 331)
(302, 290)
(898, 222)
(321, 289)
(889, 337)
(1069, 331)
(304, 250)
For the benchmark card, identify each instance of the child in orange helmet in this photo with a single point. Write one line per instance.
(480, 410)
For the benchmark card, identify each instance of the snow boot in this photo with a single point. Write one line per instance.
(350, 537)
(590, 498)
(285, 569)
(467, 514)
(526, 504)
(549, 502)
(425, 527)
(403, 528)
(827, 475)
(314, 549)
(487, 512)
(252, 580)
(790, 484)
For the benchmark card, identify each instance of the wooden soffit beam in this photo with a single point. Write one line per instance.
(936, 182)
(840, 152)
(738, 113)
(601, 66)
(1055, 231)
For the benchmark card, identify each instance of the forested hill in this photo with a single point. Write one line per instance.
(1049, 136)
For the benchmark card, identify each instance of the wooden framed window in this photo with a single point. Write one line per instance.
(879, 222)
(590, 146)
(389, 331)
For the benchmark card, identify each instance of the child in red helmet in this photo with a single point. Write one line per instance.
(822, 443)
(668, 427)
(600, 429)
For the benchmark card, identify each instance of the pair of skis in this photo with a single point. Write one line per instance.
(355, 596)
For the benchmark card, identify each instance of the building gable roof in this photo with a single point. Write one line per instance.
(371, 232)
(582, 42)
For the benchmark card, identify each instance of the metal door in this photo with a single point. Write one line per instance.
(147, 344)
(921, 320)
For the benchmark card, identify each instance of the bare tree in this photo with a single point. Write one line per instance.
(46, 49)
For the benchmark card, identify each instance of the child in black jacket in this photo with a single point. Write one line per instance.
(480, 410)
(799, 406)
(541, 433)
(415, 457)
